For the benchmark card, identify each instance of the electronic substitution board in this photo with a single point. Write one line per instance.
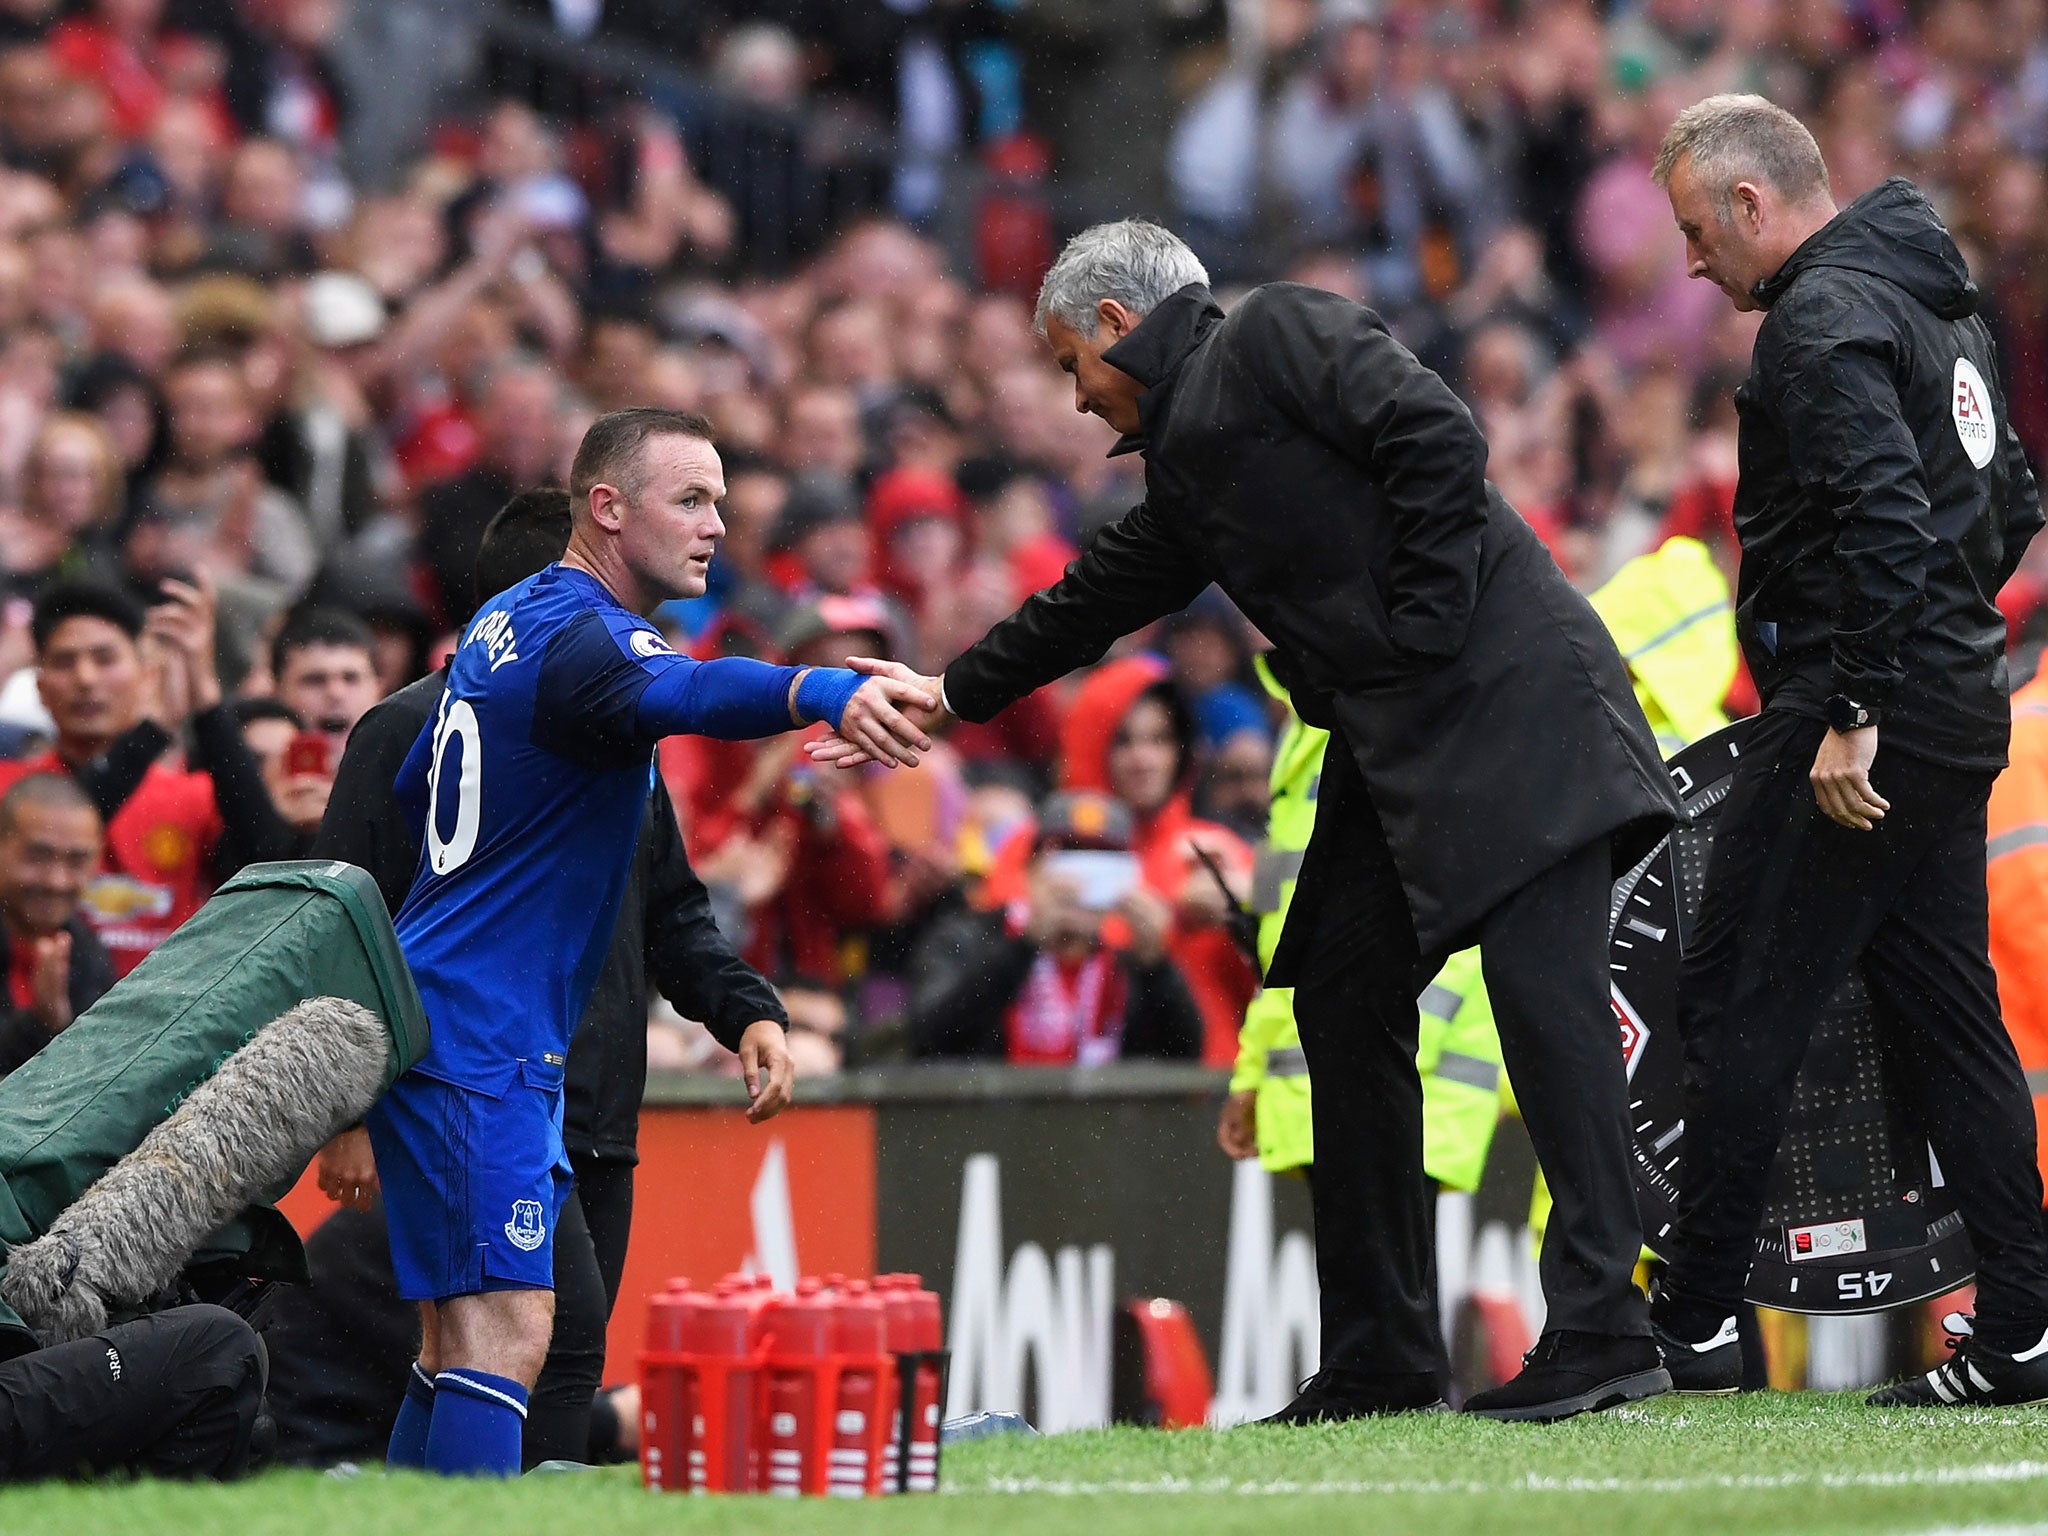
(1858, 1218)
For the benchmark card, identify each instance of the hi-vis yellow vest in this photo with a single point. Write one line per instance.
(1669, 614)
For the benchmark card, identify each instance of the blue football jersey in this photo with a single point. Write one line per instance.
(531, 780)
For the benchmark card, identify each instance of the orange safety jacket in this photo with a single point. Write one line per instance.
(2016, 874)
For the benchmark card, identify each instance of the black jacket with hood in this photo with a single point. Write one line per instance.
(1883, 498)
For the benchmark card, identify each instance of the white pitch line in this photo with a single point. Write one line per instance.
(1931, 1477)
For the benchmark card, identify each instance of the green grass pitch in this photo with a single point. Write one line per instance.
(1796, 1462)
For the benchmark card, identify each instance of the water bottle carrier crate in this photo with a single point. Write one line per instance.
(803, 1394)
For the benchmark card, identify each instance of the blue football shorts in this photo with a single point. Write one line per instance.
(473, 1181)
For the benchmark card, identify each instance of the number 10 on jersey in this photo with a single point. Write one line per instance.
(455, 721)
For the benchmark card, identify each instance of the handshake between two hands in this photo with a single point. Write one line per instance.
(889, 720)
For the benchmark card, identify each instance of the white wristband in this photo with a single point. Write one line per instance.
(944, 703)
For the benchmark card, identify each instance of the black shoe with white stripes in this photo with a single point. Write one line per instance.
(1710, 1369)
(1973, 1376)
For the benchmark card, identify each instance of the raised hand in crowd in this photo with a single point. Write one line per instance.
(50, 980)
(669, 208)
(181, 625)
(1508, 272)
(1202, 898)
(1058, 920)
(754, 869)
(773, 759)
(1150, 920)
(167, 689)
(302, 798)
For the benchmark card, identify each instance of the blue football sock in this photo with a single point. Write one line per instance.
(408, 1446)
(478, 1421)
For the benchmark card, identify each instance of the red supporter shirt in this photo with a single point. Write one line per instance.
(131, 82)
(154, 873)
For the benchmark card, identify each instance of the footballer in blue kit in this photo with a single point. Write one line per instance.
(530, 783)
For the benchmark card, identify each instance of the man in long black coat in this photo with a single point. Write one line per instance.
(1498, 772)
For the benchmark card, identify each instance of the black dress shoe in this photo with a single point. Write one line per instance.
(1336, 1393)
(1569, 1373)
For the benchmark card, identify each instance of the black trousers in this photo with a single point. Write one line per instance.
(1544, 953)
(590, 1258)
(174, 1394)
(1792, 901)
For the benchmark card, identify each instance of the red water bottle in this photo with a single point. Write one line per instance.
(860, 1325)
(800, 1375)
(901, 1324)
(668, 1409)
(927, 1341)
(723, 1449)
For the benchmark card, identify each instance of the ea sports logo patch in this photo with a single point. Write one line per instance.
(646, 642)
(1970, 402)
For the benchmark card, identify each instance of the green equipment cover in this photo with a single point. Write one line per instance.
(268, 939)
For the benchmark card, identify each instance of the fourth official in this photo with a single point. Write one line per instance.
(1883, 501)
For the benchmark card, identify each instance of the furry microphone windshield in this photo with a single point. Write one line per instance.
(248, 1128)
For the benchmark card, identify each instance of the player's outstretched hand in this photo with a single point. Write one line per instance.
(769, 1070)
(881, 721)
(922, 711)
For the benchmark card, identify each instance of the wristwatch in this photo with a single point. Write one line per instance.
(1845, 714)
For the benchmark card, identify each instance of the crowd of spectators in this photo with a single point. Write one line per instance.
(258, 405)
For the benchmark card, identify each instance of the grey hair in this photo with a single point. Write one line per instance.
(1735, 138)
(1137, 263)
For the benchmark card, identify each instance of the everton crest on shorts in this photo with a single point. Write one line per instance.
(473, 1180)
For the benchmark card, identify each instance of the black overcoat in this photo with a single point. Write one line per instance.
(1303, 460)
